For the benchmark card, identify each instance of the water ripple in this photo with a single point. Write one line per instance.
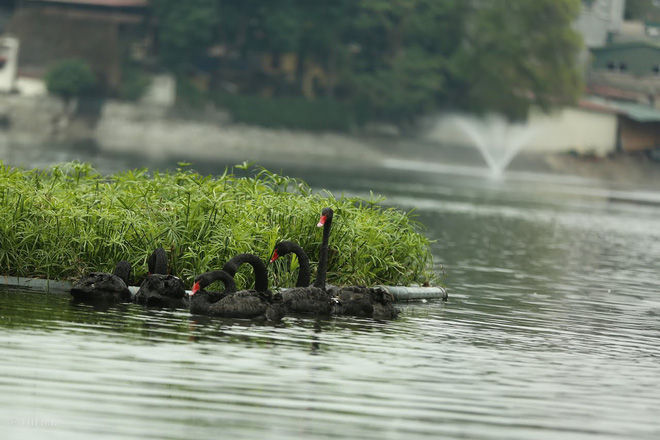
(551, 331)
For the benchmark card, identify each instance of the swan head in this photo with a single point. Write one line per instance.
(195, 288)
(208, 278)
(326, 215)
(282, 248)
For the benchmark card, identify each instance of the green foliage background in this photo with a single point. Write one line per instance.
(396, 59)
(71, 220)
(70, 78)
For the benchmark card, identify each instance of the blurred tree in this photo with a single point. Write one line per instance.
(405, 50)
(185, 29)
(479, 55)
(311, 30)
(70, 79)
(518, 54)
(325, 38)
(397, 58)
(251, 26)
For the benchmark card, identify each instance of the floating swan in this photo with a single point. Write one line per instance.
(305, 298)
(104, 287)
(201, 299)
(259, 303)
(372, 302)
(160, 289)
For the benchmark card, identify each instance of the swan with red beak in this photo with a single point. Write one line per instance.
(259, 303)
(326, 215)
(322, 220)
(303, 298)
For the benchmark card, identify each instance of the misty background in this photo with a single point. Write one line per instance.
(554, 86)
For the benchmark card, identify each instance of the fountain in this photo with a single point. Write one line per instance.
(497, 139)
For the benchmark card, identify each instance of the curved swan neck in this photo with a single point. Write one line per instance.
(322, 268)
(217, 275)
(304, 269)
(260, 272)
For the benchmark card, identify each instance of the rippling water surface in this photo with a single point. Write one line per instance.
(552, 330)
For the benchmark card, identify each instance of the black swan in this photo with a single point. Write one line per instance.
(104, 287)
(201, 299)
(303, 298)
(372, 302)
(258, 303)
(160, 289)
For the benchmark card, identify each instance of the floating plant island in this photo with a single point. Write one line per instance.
(69, 220)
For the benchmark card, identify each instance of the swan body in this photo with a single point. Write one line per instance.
(104, 287)
(201, 299)
(303, 299)
(259, 303)
(308, 300)
(246, 304)
(369, 302)
(160, 289)
(372, 302)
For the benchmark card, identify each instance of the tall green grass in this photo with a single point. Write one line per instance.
(68, 220)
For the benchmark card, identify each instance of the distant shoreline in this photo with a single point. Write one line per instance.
(156, 133)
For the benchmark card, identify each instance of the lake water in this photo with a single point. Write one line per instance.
(551, 331)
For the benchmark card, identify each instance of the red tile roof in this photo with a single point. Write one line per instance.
(611, 92)
(595, 106)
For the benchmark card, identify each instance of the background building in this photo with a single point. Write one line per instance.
(93, 30)
(623, 72)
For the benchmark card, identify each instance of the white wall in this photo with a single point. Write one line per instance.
(601, 17)
(564, 130)
(31, 86)
(574, 129)
(161, 91)
(9, 50)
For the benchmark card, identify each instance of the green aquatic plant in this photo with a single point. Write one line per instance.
(62, 222)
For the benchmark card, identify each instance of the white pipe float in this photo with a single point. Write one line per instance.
(400, 293)
(415, 293)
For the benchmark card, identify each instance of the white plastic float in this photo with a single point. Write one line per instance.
(400, 293)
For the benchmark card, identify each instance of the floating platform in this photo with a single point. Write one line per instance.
(400, 293)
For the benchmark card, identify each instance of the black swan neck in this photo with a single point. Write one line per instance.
(123, 271)
(260, 271)
(157, 262)
(322, 268)
(304, 269)
(217, 275)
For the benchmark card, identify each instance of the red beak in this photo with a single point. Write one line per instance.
(275, 256)
(322, 221)
(195, 288)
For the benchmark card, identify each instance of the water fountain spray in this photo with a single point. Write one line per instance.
(497, 139)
